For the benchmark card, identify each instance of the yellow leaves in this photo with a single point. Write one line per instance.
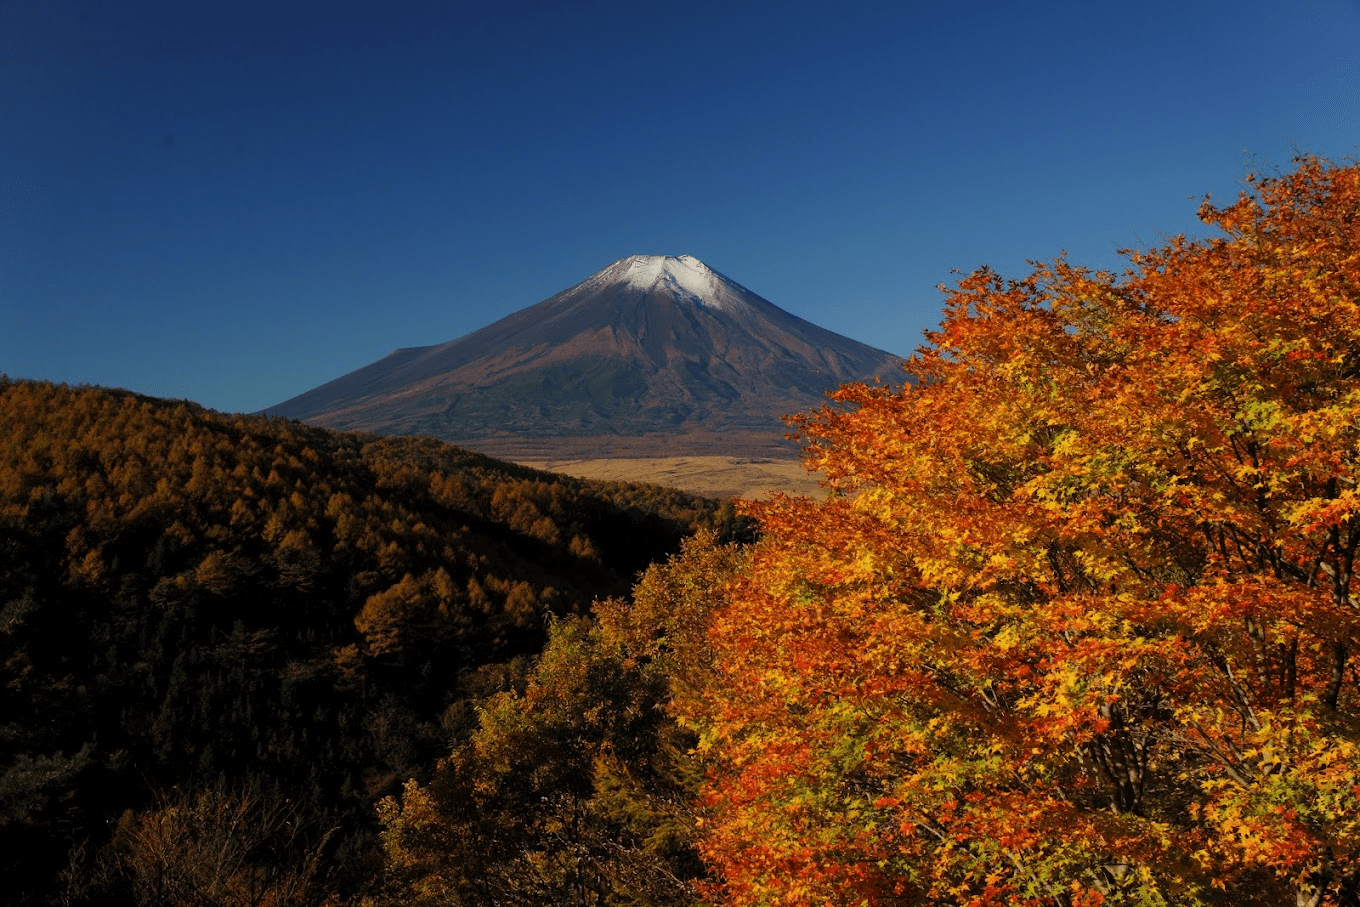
(1007, 639)
(1315, 514)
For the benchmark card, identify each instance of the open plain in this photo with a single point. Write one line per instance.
(708, 475)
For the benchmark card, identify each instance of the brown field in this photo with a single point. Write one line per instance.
(713, 476)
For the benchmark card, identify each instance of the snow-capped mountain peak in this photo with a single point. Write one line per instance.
(654, 349)
(683, 276)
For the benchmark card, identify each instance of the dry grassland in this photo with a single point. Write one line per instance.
(713, 476)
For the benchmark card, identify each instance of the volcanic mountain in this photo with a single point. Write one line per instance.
(651, 355)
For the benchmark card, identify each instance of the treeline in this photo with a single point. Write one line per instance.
(204, 615)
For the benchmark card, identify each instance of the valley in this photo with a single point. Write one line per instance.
(710, 476)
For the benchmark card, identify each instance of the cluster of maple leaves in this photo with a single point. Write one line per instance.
(1077, 622)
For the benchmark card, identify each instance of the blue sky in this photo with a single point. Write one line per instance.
(235, 202)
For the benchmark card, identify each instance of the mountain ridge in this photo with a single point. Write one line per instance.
(660, 347)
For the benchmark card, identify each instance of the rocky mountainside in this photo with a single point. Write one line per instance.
(652, 354)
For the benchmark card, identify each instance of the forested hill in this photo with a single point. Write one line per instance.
(192, 601)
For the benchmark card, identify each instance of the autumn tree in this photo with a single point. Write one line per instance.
(577, 789)
(220, 849)
(1076, 623)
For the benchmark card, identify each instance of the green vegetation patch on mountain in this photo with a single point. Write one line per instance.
(237, 610)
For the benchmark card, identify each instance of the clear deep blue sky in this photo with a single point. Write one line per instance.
(233, 202)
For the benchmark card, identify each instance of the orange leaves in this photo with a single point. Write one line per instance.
(1076, 624)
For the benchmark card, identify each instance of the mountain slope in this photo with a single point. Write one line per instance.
(650, 347)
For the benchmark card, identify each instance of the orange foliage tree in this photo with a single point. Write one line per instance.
(1075, 624)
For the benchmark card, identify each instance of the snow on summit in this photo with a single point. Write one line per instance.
(684, 276)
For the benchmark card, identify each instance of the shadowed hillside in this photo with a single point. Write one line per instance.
(204, 610)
